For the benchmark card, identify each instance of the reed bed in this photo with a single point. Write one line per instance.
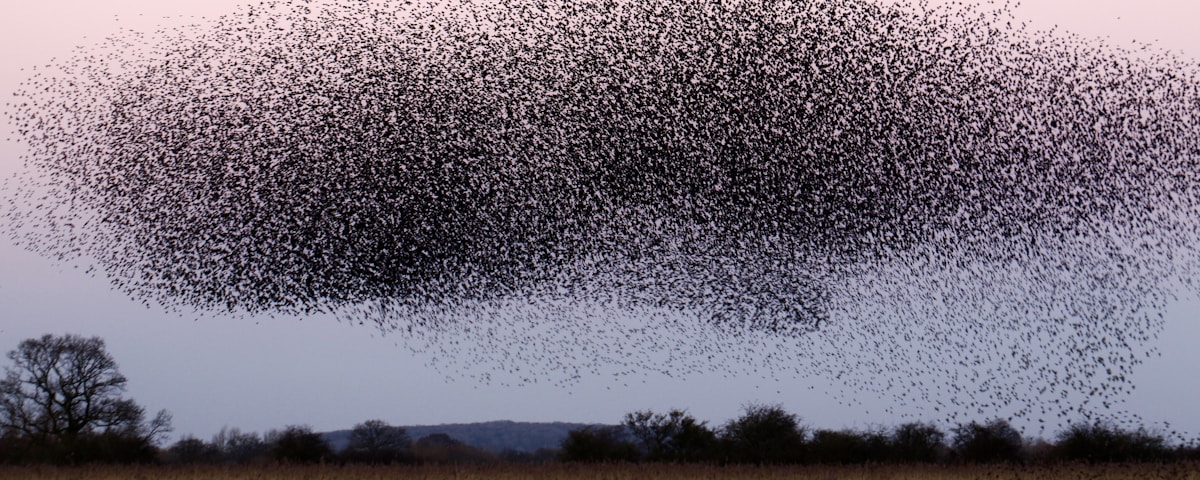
(1186, 471)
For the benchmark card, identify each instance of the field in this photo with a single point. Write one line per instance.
(610, 472)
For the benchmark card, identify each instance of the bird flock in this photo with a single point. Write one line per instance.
(935, 205)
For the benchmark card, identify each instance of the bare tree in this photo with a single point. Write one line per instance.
(235, 446)
(376, 441)
(672, 436)
(61, 389)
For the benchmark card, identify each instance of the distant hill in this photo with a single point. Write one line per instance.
(496, 436)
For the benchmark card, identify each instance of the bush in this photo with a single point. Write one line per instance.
(994, 442)
(764, 435)
(1100, 442)
(675, 436)
(192, 450)
(917, 443)
(299, 444)
(608, 444)
(847, 447)
(112, 447)
(241, 448)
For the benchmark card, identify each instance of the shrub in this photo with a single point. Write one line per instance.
(764, 435)
(675, 436)
(299, 444)
(993, 442)
(596, 444)
(846, 447)
(1101, 442)
(917, 443)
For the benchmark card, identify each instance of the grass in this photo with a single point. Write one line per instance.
(610, 472)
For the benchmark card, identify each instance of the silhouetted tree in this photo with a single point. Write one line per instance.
(596, 444)
(995, 441)
(192, 450)
(675, 436)
(917, 443)
(299, 444)
(764, 434)
(241, 448)
(1101, 442)
(375, 441)
(62, 400)
(847, 447)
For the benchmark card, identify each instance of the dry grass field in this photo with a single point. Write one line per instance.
(609, 472)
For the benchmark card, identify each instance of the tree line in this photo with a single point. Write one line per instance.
(61, 402)
(371, 442)
(770, 435)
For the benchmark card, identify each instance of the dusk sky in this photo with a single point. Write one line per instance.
(262, 372)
